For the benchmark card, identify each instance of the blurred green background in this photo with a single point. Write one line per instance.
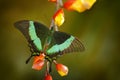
(98, 29)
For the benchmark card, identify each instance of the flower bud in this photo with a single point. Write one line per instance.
(48, 77)
(88, 3)
(78, 5)
(59, 17)
(53, 1)
(38, 62)
(62, 69)
(40, 57)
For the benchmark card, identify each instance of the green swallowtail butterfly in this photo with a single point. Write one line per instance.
(43, 40)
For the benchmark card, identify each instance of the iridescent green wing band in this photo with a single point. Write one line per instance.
(57, 48)
(33, 36)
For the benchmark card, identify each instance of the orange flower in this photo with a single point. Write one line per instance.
(53, 1)
(48, 77)
(38, 62)
(78, 5)
(62, 69)
(59, 17)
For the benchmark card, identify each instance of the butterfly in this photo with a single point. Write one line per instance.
(44, 40)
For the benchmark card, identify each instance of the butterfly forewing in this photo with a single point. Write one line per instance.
(34, 32)
(23, 26)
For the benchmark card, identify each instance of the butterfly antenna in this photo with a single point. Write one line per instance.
(28, 59)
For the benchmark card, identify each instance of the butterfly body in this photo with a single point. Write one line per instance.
(48, 41)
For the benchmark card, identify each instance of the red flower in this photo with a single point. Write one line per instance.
(78, 5)
(53, 1)
(48, 77)
(59, 17)
(62, 69)
(38, 62)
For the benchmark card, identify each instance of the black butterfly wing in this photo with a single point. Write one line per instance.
(34, 32)
(64, 43)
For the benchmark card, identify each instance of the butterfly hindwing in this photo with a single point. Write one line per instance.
(64, 43)
(34, 32)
